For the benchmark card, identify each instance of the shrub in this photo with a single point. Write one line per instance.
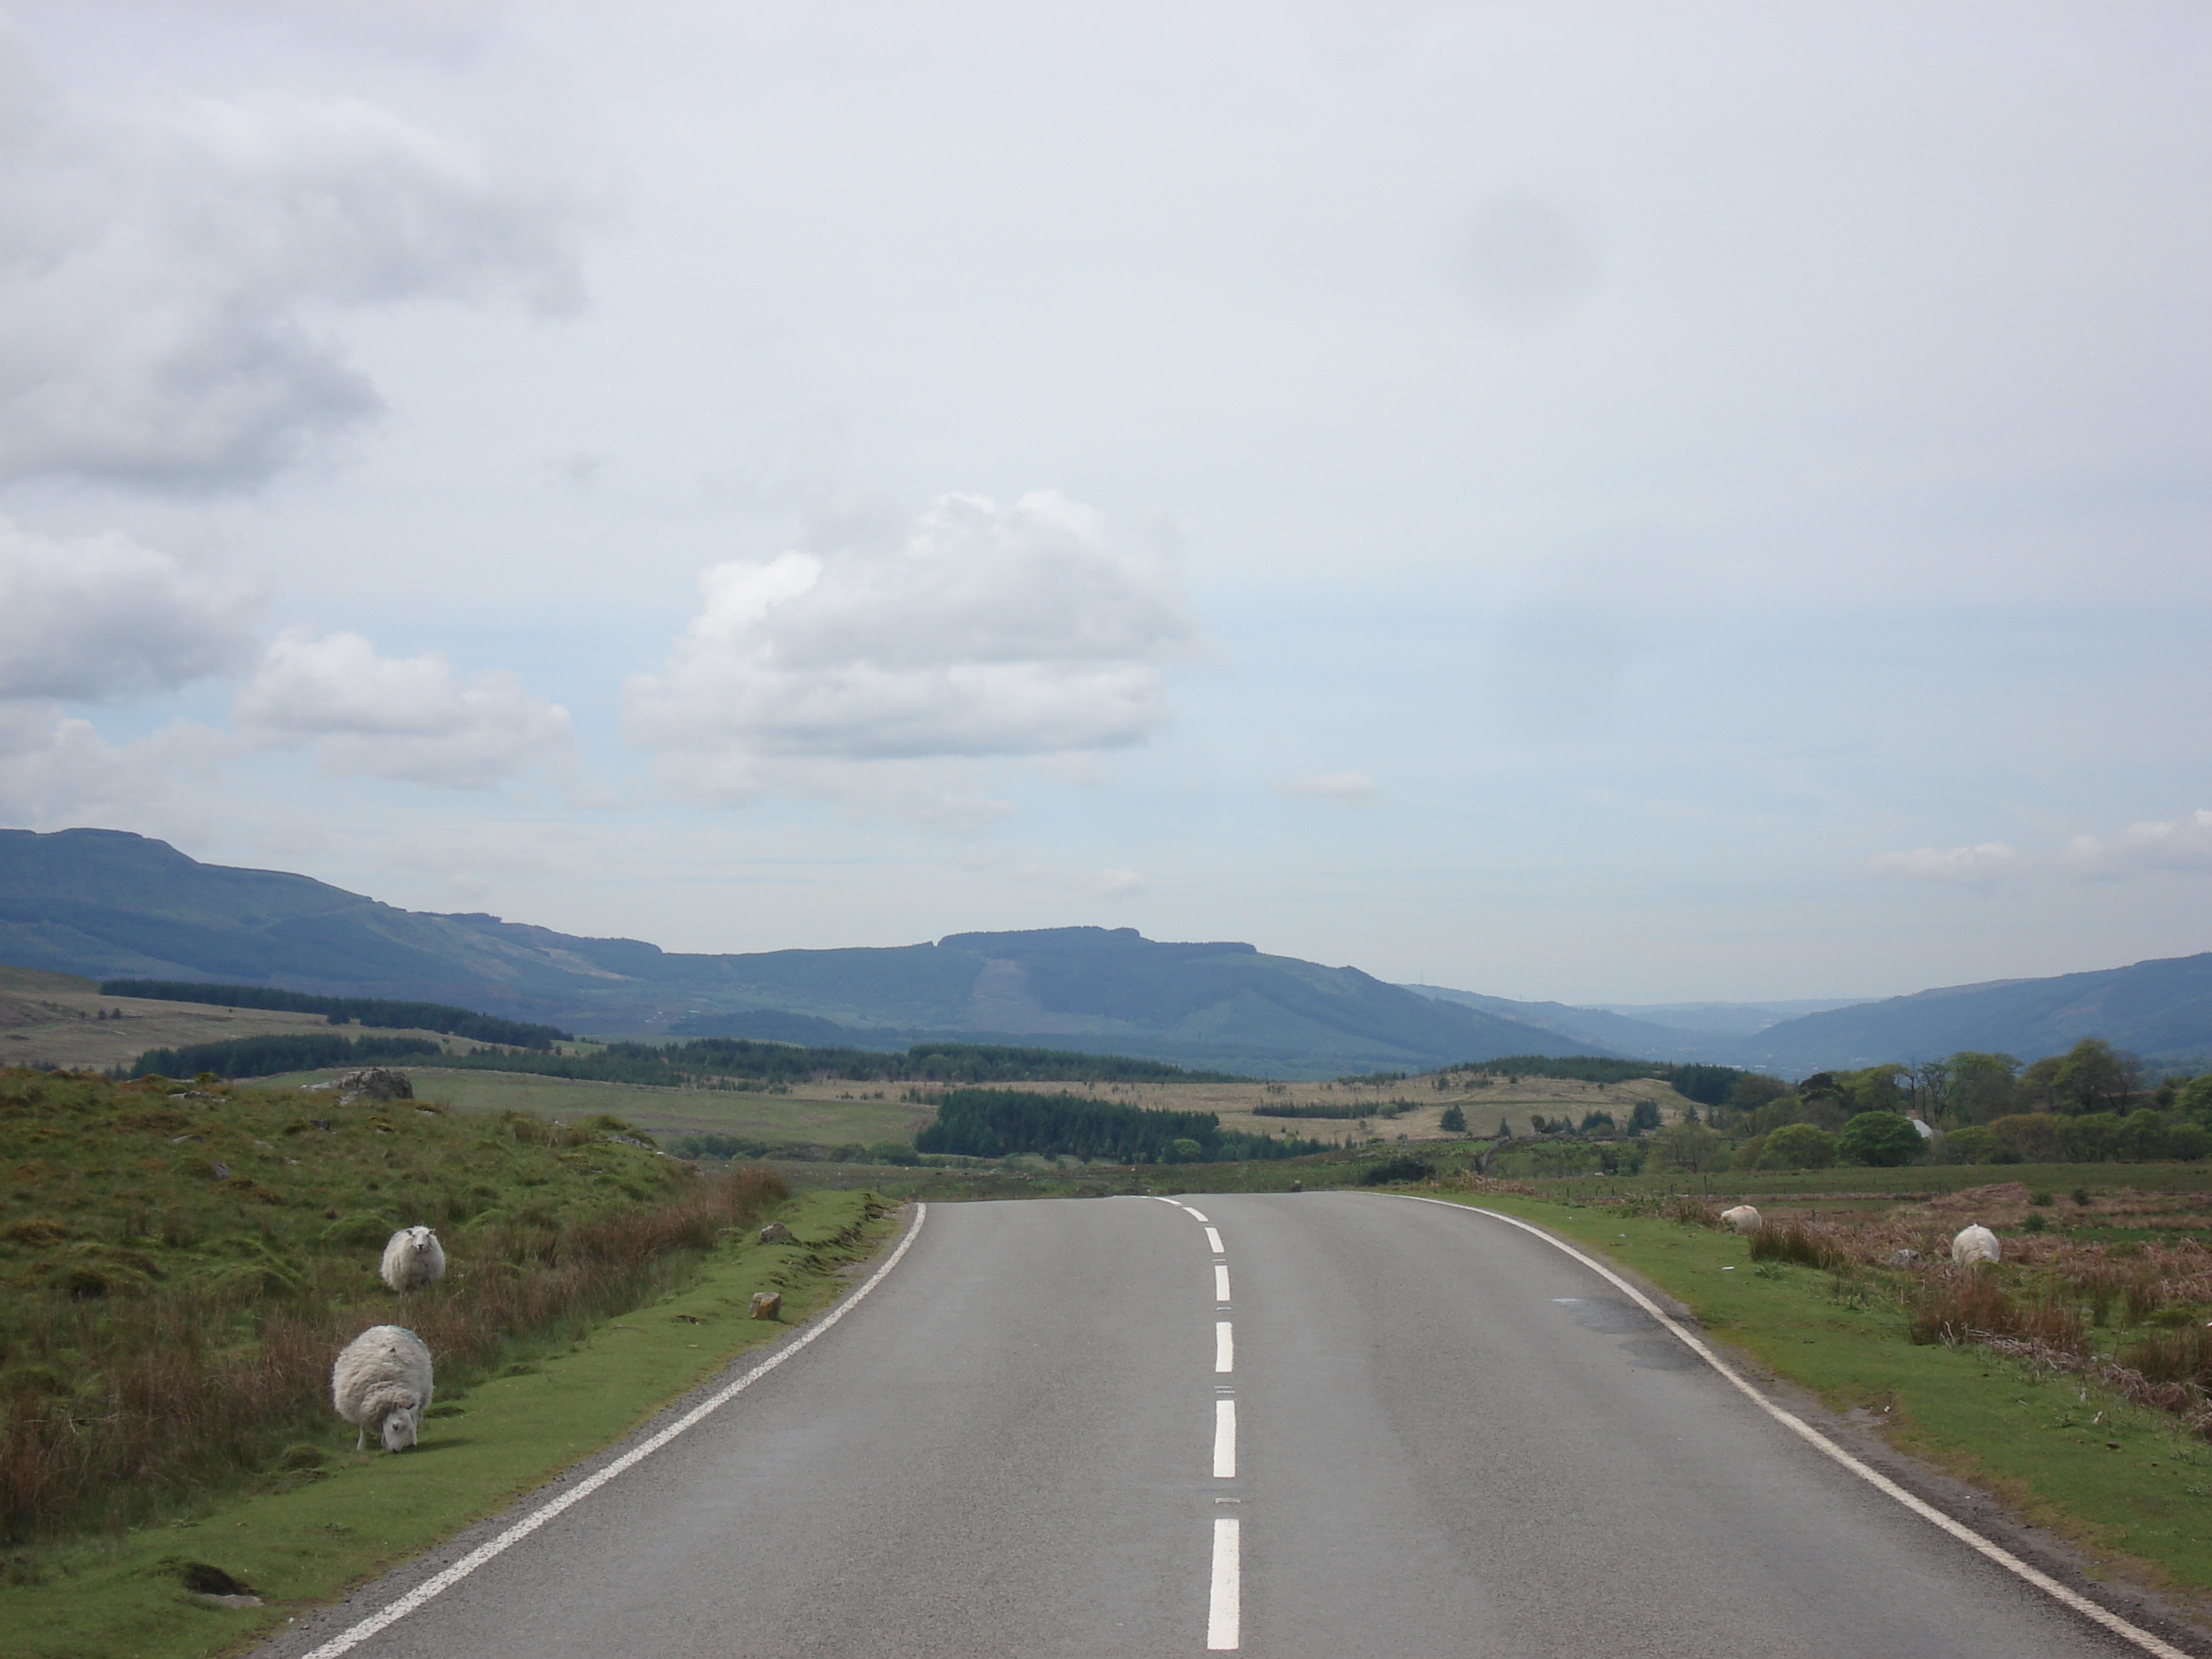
(1972, 1144)
(1798, 1146)
(1454, 1122)
(1879, 1139)
(1396, 1170)
(2032, 1137)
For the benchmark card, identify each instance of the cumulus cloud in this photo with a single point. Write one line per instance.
(103, 619)
(57, 772)
(168, 273)
(1980, 865)
(412, 719)
(2186, 844)
(973, 631)
(1350, 788)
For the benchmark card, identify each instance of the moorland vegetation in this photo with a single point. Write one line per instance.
(182, 1261)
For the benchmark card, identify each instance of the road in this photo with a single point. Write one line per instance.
(1323, 1425)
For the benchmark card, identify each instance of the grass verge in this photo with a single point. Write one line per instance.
(2128, 1485)
(336, 1517)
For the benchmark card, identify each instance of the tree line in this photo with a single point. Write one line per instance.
(702, 1059)
(2092, 1104)
(267, 1056)
(376, 1012)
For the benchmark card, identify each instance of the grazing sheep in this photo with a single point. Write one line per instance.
(414, 1260)
(1975, 1245)
(1743, 1218)
(383, 1380)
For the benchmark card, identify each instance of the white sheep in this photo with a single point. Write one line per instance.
(1975, 1243)
(383, 1380)
(1743, 1218)
(414, 1260)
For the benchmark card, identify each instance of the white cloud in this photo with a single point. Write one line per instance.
(1980, 865)
(57, 773)
(1116, 883)
(168, 272)
(406, 718)
(2184, 845)
(1352, 788)
(973, 631)
(103, 619)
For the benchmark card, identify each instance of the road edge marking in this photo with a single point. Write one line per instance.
(393, 1613)
(1873, 1477)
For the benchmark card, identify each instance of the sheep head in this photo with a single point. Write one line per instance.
(401, 1427)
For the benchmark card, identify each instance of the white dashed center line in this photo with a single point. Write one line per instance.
(1225, 1601)
(1224, 1613)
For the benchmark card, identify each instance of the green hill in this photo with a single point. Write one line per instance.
(112, 905)
(2160, 1008)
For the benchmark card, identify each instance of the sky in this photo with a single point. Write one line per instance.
(1609, 503)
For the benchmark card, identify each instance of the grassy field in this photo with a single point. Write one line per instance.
(815, 1114)
(330, 1518)
(56, 1019)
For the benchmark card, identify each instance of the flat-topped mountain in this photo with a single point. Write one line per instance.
(108, 904)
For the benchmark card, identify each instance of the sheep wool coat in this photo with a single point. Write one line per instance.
(382, 1381)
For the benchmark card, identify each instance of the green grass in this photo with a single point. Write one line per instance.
(179, 1267)
(1913, 1180)
(315, 1533)
(2134, 1488)
(800, 1118)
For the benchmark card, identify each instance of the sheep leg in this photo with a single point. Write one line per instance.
(360, 1440)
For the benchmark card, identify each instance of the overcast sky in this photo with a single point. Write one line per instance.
(1618, 503)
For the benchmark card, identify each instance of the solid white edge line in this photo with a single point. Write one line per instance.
(1223, 1614)
(521, 1530)
(1225, 1440)
(1224, 1347)
(1965, 1535)
(1220, 1282)
(1213, 1241)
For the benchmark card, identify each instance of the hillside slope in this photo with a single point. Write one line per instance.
(1622, 1034)
(105, 903)
(2160, 1008)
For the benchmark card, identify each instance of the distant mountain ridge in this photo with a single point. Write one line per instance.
(2161, 1009)
(109, 905)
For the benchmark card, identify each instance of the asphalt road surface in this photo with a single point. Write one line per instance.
(1325, 1426)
